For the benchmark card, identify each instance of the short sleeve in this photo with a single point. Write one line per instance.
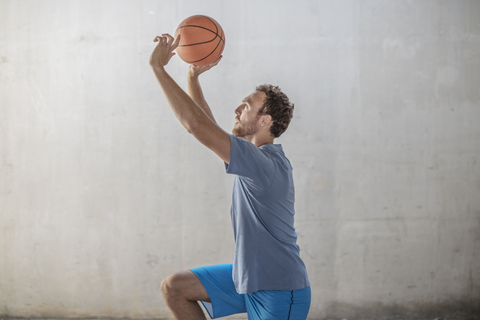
(251, 163)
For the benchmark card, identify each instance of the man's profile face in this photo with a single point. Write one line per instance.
(247, 115)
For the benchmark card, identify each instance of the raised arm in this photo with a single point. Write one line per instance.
(194, 88)
(193, 117)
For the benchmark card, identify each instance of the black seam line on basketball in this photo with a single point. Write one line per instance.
(216, 32)
(289, 311)
(195, 26)
(208, 55)
(194, 44)
(216, 28)
(216, 35)
(223, 43)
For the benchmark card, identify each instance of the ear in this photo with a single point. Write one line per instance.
(265, 120)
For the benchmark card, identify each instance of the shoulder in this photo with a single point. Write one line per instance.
(276, 153)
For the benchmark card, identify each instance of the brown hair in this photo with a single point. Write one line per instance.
(278, 106)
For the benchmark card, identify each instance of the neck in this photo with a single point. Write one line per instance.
(259, 140)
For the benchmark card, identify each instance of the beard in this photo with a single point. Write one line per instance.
(242, 131)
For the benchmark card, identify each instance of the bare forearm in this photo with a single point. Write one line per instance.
(190, 114)
(196, 93)
(184, 108)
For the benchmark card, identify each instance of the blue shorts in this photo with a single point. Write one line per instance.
(266, 304)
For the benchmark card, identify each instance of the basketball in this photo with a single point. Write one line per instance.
(201, 40)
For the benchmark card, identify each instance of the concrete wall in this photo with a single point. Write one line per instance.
(103, 193)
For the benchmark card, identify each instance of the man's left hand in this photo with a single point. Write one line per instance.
(163, 52)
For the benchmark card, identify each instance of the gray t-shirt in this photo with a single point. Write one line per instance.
(266, 253)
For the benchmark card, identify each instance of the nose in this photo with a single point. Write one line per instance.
(239, 109)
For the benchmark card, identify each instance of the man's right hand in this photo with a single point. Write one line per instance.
(194, 71)
(194, 89)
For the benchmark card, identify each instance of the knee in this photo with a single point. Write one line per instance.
(170, 286)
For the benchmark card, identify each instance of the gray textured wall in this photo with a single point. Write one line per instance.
(103, 193)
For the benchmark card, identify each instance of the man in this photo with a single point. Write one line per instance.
(268, 280)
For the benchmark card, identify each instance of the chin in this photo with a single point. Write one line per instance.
(236, 132)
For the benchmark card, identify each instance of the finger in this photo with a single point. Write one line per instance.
(213, 64)
(168, 37)
(218, 60)
(176, 42)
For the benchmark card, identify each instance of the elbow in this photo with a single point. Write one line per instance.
(192, 126)
(198, 129)
(197, 124)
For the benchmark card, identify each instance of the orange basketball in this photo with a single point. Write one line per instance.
(202, 40)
